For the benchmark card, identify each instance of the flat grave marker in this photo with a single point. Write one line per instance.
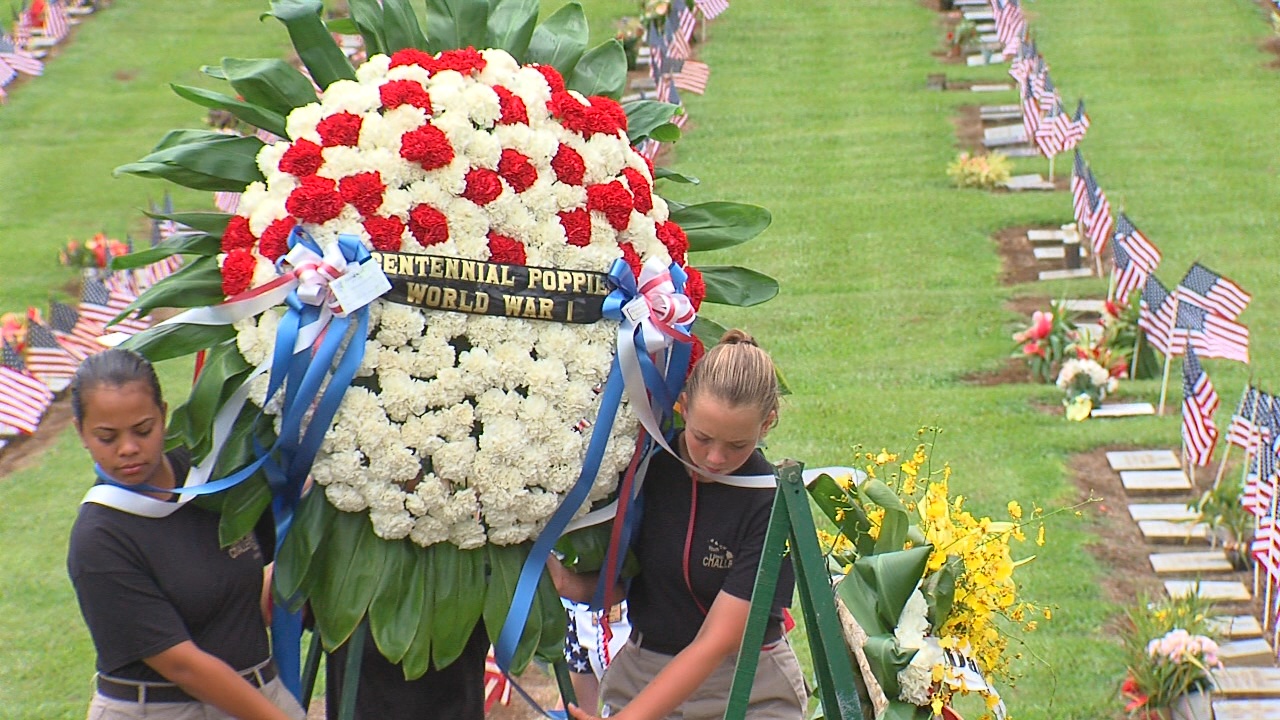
(1143, 460)
(1133, 409)
(971, 3)
(1085, 305)
(1029, 182)
(1082, 272)
(991, 87)
(1235, 627)
(1000, 109)
(1026, 151)
(1005, 131)
(1254, 652)
(1049, 253)
(1218, 590)
(1246, 710)
(1178, 563)
(1163, 531)
(1247, 682)
(976, 15)
(1000, 116)
(1154, 480)
(1173, 512)
(1044, 235)
(989, 38)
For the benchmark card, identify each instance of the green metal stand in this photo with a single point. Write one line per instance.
(792, 521)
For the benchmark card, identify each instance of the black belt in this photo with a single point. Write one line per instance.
(637, 638)
(141, 691)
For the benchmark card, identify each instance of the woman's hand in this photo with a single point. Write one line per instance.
(578, 713)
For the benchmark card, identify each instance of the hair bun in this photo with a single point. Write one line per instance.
(737, 337)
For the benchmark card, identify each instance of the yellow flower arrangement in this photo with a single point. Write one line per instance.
(967, 579)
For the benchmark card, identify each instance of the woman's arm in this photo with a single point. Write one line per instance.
(578, 587)
(211, 680)
(719, 637)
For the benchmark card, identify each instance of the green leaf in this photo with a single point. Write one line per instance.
(397, 604)
(719, 225)
(459, 591)
(505, 563)
(417, 658)
(213, 71)
(548, 611)
(708, 331)
(213, 223)
(560, 40)
(197, 284)
(224, 370)
(241, 509)
(602, 71)
(663, 173)
(940, 590)
(170, 341)
(201, 160)
(839, 508)
(739, 286)
(645, 115)
(342, 26)
(313, 41)
(181, 243)
(666, 132)
(510, 26)
(348, 575)
(367, 15)
(252, 114)
(877, 587)
(453, 24)
(273, 84)
(400, 28)
(301, 547)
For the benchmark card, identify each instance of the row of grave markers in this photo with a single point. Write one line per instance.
(38, 26)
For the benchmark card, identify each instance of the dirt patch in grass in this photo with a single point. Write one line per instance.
(1013, 371)
(22, 452)
(969, 128)
(1271, 46)
(1018, 263)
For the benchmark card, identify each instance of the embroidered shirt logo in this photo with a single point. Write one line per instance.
(248, 543)
(718, 556)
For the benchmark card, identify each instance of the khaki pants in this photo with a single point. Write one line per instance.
(778, 692)
(105, 708)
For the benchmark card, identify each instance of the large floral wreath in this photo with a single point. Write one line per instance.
(461, 433)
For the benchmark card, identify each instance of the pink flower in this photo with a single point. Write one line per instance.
(1041, 326)
(1033, 348)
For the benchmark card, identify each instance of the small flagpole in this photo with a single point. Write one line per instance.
(1244, 480)
(1222, 466)
(1268, 615)
(1137, 348)
(1051, 159)
(1164, 384)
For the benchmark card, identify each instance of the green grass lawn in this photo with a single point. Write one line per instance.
(817, 110)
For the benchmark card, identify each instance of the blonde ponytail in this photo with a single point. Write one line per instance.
(737, 372)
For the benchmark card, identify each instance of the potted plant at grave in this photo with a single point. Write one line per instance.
(985, 171)
(1121, 333)
(1047, 341)
(629, 31)
(961, 38)
(1170, 660)
(1230, 521)
(445, 440)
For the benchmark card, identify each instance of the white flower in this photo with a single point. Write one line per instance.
(913, 624)
(916, 680)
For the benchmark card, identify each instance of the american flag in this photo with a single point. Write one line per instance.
(1100, 223)
(1046, 93)
(46, 358)
(7, 73)
(23, 398)
(79, 336)
(687, 20)
(17, 59)
(1155, 313)
(1127, 274)
(1210, 290)
(1265, 538)
(1243, 430)
(1079, 193)
(657, 53)
(1074, 129)
(1030, 112)
(693, 76)
(1049, 136)
(1259, 486)
(1010, 25)
(1025, 61)
(673, 31)
(100, 305)
(55, 20)
(711, 9)
(227, 202)
(1199, 402)
(1142, 250)
(1211, 334)
(22, 32)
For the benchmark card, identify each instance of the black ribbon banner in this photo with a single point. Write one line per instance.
(478, 287)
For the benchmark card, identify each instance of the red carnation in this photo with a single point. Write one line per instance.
(568, 110)
(363, 190)
(237, 235)
(605, 117)
(303, 158)
(640, 189)
(237, 271)
(414, 56)
(513, 108)
(503, 249)
(577, 226)
(483, 186)
(316, 200)
(405, 92)
(340, 129)
(648, 163)
(275, 239)
(516, 169)
(552, 76)
(673, 238)
(695, 354)
(695, 287)
(428, 225)
(568, 165)
(631, 257)
(613, 200)
(463, 60)
(427, 146)
(384, 232)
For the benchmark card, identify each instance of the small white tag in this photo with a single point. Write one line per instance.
(636, 310)
(360, 286)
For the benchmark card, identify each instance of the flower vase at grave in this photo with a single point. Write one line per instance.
(1195, 705)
